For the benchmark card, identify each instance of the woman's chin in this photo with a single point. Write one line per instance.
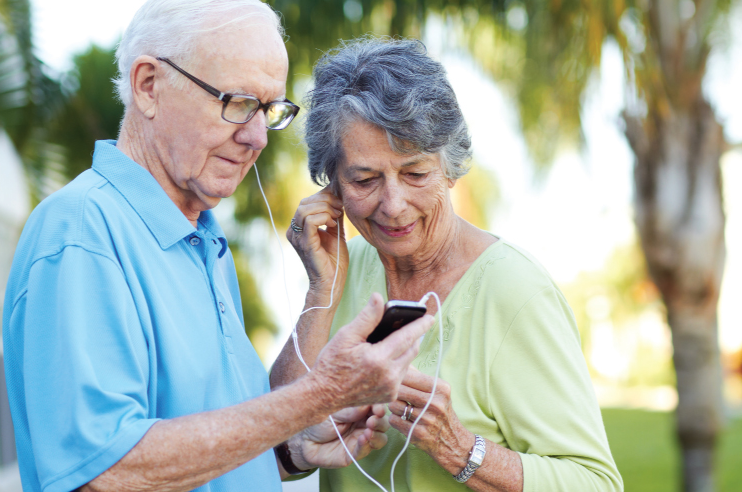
(397, 248)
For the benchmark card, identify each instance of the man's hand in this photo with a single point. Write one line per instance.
(350, 372)
(362, 428)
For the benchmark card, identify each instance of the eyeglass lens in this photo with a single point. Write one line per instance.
(241, 109)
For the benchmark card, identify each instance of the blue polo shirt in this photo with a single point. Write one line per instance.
(118, 313)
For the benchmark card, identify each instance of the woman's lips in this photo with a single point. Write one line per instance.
(397, 231)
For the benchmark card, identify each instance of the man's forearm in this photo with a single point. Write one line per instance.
(186, 452)
(313, 331)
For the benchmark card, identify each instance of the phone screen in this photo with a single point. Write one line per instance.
(396, 315)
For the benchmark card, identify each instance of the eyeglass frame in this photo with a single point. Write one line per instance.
(225, 97)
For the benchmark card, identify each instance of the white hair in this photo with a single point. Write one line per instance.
(171, 28)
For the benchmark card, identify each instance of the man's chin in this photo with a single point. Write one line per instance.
(217, 193)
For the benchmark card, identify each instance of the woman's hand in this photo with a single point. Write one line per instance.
(362, 428)
(439, 433)
(317, 248)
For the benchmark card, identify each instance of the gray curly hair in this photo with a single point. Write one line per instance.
(394, 85)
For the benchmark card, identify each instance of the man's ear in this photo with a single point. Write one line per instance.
(144, 79)
(451, 182)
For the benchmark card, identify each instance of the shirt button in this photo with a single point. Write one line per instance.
(195, 241)
(221, 306)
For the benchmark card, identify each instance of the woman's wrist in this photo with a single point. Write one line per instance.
(287, 458)
(320, 293)
(456, 457)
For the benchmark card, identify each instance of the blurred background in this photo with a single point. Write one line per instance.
(607, 139)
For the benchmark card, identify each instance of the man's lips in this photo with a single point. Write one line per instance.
(231, 161)
(396, 231)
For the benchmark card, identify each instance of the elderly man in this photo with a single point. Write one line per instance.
(127, 362)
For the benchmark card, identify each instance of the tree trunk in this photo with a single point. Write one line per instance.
(680, 219)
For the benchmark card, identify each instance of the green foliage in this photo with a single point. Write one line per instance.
(645, 449)
(257, 317)
(29, 97)
(543, 52)
(91, 111)
(620, 294)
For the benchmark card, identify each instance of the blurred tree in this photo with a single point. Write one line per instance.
(677, 142)
(90, 111)
(28, 97)
(544, 52)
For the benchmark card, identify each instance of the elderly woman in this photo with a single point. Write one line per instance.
(385, 132)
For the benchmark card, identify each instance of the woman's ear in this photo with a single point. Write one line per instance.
(335, 187)
(451, 182)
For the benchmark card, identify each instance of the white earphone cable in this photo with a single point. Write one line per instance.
(332, 292)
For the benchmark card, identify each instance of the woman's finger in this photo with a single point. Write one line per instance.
(406, 408)
(416, 397)
(304, 211)
(315, 221)
(418, 380)
(403, 426)
(323, 196)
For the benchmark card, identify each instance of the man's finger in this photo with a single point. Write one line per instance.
(367, 319)
(377, 440)
(378, 409)
(399, 342)
(351, 414)
(378, 424)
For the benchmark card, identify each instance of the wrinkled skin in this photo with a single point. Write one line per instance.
(363, 429)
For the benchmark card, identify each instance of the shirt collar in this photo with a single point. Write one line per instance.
(145, 195)
(208, 222)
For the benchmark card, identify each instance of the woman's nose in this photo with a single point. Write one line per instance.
(393, 199)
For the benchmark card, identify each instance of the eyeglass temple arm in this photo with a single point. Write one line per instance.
(208, 88)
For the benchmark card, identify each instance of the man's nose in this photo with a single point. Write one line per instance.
(253, 133)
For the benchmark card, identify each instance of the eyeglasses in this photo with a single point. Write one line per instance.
(239, 108)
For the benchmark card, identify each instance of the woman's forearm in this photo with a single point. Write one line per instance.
(313, 331)
(501, 470)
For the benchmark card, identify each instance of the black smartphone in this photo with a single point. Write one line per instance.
(396, 315)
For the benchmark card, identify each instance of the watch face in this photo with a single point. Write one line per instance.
(477, 456)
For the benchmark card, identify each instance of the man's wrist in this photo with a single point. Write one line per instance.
(318, 393)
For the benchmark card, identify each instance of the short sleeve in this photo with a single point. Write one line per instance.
(544, 402)
(85, 366)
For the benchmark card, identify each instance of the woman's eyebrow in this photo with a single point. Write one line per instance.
(417, 160)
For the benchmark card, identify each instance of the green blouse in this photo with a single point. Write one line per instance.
(511, 353)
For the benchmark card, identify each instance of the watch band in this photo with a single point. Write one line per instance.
(284, 455)
(476, 457)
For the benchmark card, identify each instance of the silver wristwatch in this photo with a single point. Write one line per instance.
(476, 457)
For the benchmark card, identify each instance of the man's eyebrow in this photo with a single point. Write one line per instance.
(242, 92)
